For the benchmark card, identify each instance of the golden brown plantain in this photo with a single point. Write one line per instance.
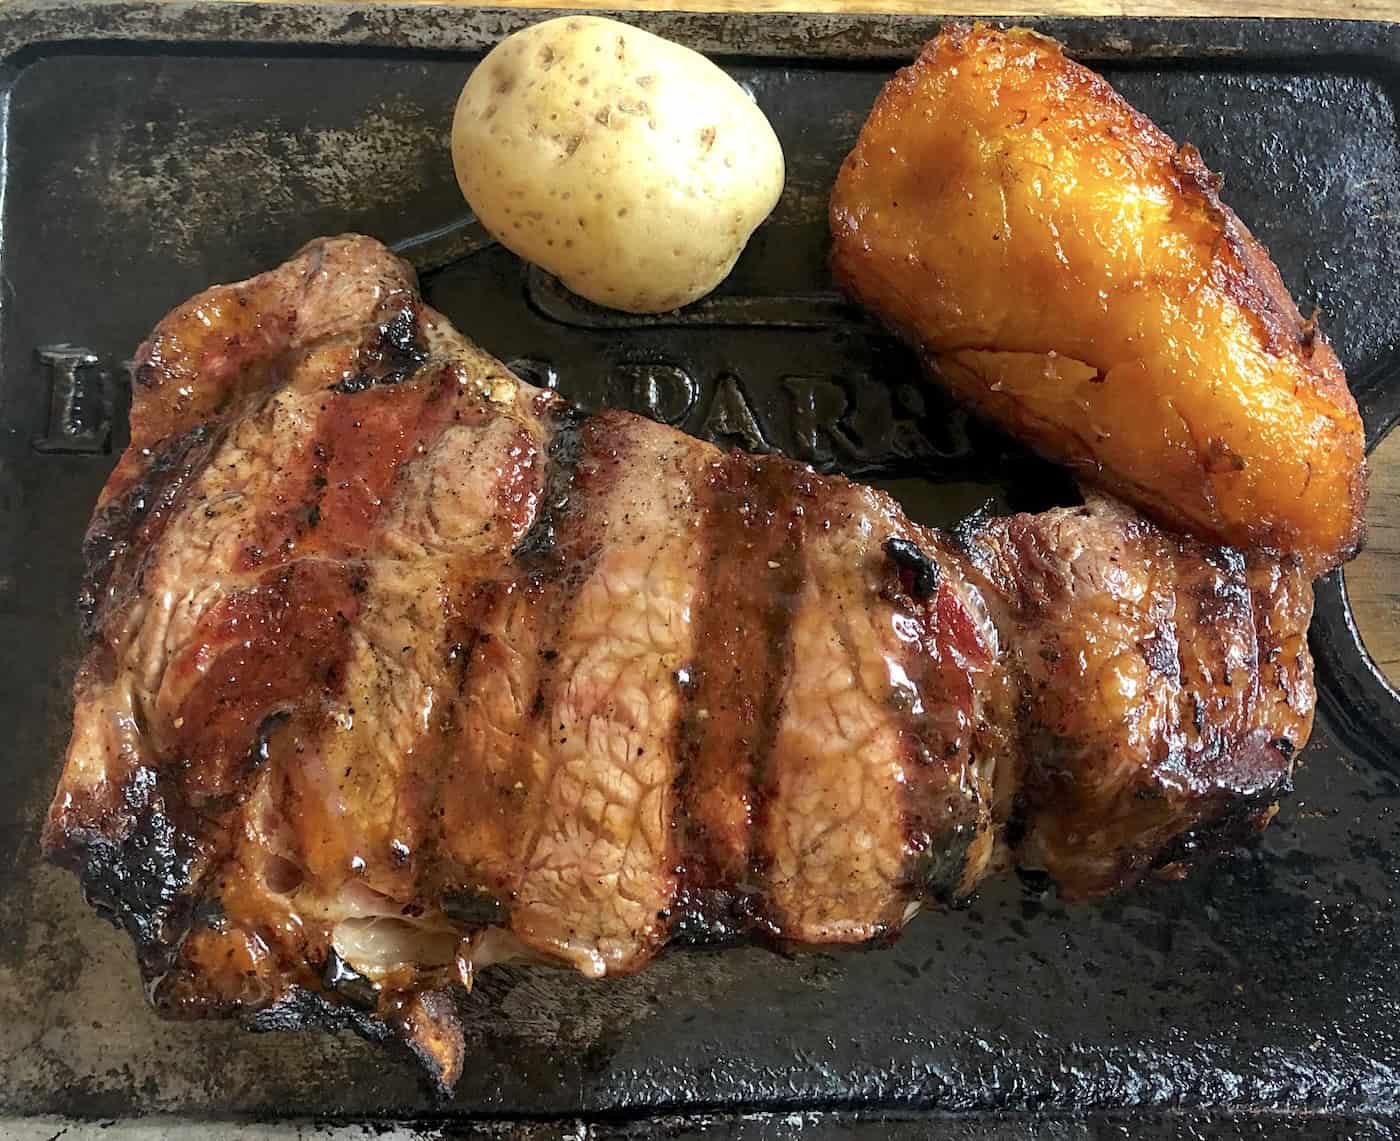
(1071, 273)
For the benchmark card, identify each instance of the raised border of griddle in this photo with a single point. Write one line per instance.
(31, 27)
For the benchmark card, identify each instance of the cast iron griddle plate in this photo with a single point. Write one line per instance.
(151, 151)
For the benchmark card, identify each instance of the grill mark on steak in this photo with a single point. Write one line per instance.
(496, 795)
(558, 552)
(749, 586)
(428, 634)
(598, 880)
(567, 424)
(129, 524)
(791, 491)
(362, 447)
(494, 655)
(353, 822)
(422, 813)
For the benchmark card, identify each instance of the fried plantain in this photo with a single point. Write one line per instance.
(1072, 274)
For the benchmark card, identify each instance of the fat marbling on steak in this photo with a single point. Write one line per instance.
(398, 666)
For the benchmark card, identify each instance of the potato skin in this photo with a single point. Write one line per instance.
(1070, 272)
(632, 168)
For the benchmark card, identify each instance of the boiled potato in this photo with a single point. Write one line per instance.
(630, 167)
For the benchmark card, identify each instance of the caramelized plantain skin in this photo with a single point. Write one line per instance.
(1072, 274)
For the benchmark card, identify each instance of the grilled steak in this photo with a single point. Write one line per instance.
(399, 666)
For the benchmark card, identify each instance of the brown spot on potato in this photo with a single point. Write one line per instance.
(645, 81)
(546, 57)
(604, 115)
(707, 139)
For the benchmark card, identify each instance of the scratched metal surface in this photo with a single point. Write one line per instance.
(150, 150)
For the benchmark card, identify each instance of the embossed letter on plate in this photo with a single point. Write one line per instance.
(80, 402)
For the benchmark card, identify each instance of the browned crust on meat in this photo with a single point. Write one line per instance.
(229, 342)
(1156, 726)
(753, 545)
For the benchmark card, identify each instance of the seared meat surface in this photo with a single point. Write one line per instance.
(1070, 272)
(400, 666)
(1160, 682)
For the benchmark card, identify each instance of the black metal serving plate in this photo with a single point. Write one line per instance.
(147, 151)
